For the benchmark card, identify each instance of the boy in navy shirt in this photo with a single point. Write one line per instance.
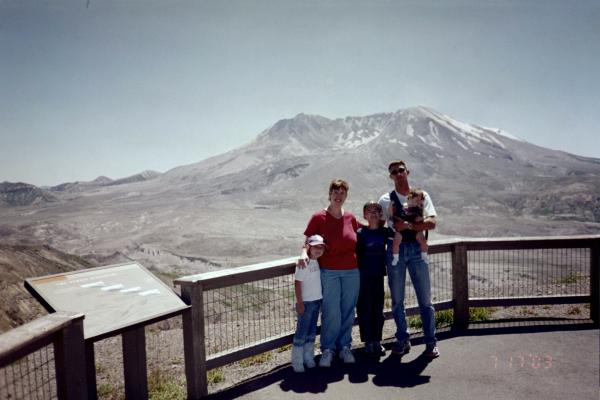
(371, 253)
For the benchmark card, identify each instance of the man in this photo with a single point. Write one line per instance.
(410, 258)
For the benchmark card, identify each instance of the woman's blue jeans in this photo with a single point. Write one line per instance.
(416, 263)
(306, 327)
(340, 294)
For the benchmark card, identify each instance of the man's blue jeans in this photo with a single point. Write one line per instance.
(418, 268)
(306, 328)
(340, 294)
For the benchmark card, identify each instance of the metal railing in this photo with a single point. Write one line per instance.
(44, 359)
(244, 311)
(241, 312)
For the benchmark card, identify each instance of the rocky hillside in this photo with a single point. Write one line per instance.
(23, 194)
(20, 262)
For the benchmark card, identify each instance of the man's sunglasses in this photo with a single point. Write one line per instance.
(397, 171)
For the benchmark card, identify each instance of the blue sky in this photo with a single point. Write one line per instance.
(117, 87)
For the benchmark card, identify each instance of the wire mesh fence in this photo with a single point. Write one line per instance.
(254, 312)
(529, 272)
(239, 315)
(242, 315)
(110, 382)
(31, 377)
(164, 357)
(440, 273)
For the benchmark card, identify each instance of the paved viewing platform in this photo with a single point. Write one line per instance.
(489, 362)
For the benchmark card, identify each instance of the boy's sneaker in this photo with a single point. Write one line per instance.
(401, 348)
(431, 351)
(347, 356)
(326, 358)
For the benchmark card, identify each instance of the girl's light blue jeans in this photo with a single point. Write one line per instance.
(306, 327)
(340, 294)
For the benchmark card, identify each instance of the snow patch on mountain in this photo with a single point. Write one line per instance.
(461, 144)
(404, 144)
(503, 133)
(354, 139)
(410, 131)
(433, 131)
(499, 143)
(471, 133)
(429, 142)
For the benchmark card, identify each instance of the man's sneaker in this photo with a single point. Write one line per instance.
(401, 348)
(378, 349)
(347, 356)
(326, 358)
(431, 351)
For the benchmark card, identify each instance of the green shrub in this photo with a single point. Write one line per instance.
(479, 314)
(107, 391)
(284, 348)
(215, 376)
(571, 278)
(446, 317)
(256, 360)
(163, 387)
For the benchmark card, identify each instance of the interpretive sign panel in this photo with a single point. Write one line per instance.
(111, 297)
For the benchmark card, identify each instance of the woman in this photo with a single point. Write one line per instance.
(340, 278)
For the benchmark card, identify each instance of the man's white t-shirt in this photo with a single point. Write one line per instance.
(310, 276)
(385, 201)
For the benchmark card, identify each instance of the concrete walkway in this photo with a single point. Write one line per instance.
(558, 362)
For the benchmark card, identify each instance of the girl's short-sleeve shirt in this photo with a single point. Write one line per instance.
(340, 237)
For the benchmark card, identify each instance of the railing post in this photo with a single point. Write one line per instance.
(595, 282)
(194, 341)
(460, 286)
(69, 361)
(135, 368)
(90, 371)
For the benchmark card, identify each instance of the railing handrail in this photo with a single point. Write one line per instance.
(33, 335)
(238, 275)
(245, 274)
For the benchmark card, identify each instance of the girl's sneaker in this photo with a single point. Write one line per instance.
(297, 361)
(326, 358)
(309, 355)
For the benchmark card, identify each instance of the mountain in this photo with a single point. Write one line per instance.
(252, 203)
(449, 158)
(142, 176)
(77, 187)
(23, 194)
